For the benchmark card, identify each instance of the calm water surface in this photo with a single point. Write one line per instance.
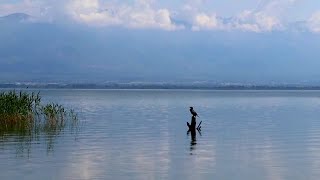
(142, 134)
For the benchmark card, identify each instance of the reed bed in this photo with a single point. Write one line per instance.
(23, 113)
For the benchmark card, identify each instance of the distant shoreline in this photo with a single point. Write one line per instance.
(163, 86)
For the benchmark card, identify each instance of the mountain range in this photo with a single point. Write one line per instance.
(37, 51)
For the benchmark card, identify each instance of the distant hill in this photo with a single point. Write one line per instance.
(17, 17)
(47, 52)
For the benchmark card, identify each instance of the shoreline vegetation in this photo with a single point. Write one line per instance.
(22, 113)
(141, 85)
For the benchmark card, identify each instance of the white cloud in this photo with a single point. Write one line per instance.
(204, 21)
(313, 22)
(245, 21)
(270, 15)
(256, 21)
(267, 17)
(89, 12)
(140, 15)
(267, 22)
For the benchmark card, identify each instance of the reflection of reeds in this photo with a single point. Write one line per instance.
(24, 118)
(22, 113)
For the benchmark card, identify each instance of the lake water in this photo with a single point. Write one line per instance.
(142, 134)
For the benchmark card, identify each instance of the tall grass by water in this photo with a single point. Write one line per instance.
(23, 113)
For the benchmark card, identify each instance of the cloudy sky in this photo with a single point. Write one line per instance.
(196, 15)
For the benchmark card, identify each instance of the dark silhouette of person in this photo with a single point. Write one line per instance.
(193, 112)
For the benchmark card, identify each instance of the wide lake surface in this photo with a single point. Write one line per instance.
(142, 134)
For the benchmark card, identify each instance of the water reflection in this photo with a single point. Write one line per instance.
(142, 135)
(193, 142)
(24, 142)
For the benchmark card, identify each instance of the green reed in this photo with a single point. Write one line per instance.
(22, 112)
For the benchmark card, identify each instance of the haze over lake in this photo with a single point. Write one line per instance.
(142, 134)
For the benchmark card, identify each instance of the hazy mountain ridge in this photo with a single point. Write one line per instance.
(38, 51)
(17, 18)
